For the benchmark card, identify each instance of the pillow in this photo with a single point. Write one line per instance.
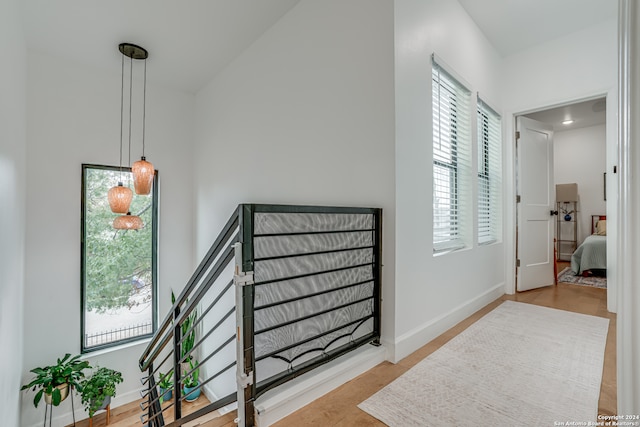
(601, 227)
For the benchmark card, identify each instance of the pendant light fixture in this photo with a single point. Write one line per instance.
(143, 170)
(120, 196)
(128, 221)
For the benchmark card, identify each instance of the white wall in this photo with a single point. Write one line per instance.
(580, 157)
(304, 116)
(628, 319)
(73, 117)
(12, 207)
(576, 67)
(434, 293)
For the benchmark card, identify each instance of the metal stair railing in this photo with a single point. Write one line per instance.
(167, 352)
(307, 290)
(309, 284)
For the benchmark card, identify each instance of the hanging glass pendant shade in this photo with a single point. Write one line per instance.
(128, 222)
(120, 198)
(142, 169)
(142, 176)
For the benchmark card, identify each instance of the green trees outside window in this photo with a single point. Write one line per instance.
(118, 266)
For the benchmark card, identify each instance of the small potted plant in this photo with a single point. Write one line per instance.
(191, 387)
(99, 388)
(165, 383)
(54, 381)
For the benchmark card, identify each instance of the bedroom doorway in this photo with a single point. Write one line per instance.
(578, 156)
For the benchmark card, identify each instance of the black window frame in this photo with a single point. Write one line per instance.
(154, 261)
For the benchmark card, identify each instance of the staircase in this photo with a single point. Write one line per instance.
(283, 290)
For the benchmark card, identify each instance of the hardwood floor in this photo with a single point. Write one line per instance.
(339, 408)
(129, 416)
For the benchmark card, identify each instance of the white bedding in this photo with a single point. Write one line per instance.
(590, 255)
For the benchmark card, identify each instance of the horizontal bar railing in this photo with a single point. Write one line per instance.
(166, 352)
(311, 233)
(301, 276)
(312, 253)
(312, 338)
(312, 315)
(204, 265)
(305, 367)
(295, 267)
(313, 294)
(220, 403)
(338, 274)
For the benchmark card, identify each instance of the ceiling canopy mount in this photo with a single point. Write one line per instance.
(133, 51)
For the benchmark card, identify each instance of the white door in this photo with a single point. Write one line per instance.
(536, 190)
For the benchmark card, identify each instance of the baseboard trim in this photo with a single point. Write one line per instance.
(410, 341)
(288, 398)
(212, 396)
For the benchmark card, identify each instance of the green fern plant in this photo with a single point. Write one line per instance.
(98, 387)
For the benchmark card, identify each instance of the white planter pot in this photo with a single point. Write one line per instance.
(64, 392)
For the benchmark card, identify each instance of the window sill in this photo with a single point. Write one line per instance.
(451, 250)
(490, 243)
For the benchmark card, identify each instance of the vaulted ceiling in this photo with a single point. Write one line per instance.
(514, 25)
(190, 41)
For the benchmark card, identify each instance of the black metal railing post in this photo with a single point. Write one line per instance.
(177, 371)
(248, 304)
(377, 275)
(249, 354)
(155, 410)
(243, 279)
(246, 236)
(150, 409)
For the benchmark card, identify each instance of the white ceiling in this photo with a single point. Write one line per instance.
(583, 114)
(189, 41)
(515, 25)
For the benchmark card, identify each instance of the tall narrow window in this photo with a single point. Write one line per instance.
(118, 266)
(451, 162)
(489, 174)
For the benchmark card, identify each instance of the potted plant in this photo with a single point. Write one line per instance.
(165, 384)
(191, 382)
(99, 388)
(54, 381)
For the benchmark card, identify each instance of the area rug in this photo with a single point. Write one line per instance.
(567, 276)
(518, 365)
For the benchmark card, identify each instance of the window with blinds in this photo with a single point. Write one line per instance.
(489, 174)
(451, 161)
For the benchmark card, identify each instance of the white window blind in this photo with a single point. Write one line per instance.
(489, 174)
(451, 161)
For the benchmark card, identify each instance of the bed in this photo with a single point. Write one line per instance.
(591, 256)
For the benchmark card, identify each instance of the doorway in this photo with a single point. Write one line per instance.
(578, 155)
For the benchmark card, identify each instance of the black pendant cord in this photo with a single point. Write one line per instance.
(121, 113)
(130, 104)
(144, 106)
